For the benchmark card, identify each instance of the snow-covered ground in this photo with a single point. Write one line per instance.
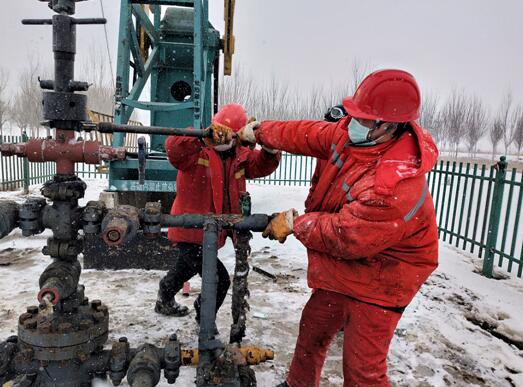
(456, 332)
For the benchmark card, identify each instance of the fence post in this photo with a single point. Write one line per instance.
(25, 167)
(495, 215)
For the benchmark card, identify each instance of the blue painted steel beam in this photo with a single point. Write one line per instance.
(122, 72)
(158, 106)
(138, 86)
(197, 60)
(140, 15)
(181, 3)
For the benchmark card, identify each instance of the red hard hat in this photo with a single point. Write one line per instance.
(386, 95)
(233, 115)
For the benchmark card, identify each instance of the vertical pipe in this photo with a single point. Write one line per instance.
(206, 340)
(197, 63)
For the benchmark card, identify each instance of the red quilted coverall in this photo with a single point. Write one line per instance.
(371, 238)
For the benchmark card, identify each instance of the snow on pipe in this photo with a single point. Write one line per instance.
(8, 217)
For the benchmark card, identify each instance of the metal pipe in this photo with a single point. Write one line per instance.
(207, 343)
(256, 222)
(109, 127)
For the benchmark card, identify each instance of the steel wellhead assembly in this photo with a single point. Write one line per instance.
(61, 341)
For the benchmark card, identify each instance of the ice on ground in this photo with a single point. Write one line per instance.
(437, 343)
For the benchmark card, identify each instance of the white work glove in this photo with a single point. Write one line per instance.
(246, 134)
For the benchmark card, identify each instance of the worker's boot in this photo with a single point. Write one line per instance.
(170, 308)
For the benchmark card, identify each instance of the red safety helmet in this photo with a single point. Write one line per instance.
(386, 95)
(233, 115)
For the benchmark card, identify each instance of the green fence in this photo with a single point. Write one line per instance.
(478, 209)
(478, 206)
(18, 173)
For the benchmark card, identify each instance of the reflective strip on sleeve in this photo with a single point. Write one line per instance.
(336, 160)
(203, 162)
(418, 205)
(346, 188)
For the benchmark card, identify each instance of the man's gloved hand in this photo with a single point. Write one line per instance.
(246, 134)
(221, 134)
(281, 225)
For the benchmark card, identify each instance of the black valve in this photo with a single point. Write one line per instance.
(142, 159)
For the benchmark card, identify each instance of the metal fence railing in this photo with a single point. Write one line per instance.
(478, 206)
(293, 170)
(478, 209)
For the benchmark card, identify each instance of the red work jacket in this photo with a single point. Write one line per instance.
(206, 183)
(370, 227)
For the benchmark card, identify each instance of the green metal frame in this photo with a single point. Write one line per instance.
(160, 175)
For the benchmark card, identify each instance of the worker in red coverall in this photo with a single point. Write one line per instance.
(211, 178)
(369, 227)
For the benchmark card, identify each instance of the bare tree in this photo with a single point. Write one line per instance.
(453, 117)
(504, 115)
(518, 131)
(496, 134)
(359, 71)
(429, 117)
(276, 99)
(100, 95)
(4, 103)
(500, 130)
(26, 109)
(476, 123)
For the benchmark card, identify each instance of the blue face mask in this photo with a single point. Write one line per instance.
(359, 134)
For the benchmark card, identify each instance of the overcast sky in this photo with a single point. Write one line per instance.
(446, 44)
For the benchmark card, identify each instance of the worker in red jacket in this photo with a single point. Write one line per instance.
(211, 178)
(369, 227)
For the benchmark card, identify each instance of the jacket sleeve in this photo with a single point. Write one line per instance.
(261, 163)
(183, 152)
(361, 229)
(309, 138)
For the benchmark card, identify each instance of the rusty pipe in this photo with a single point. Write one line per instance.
(66, 151)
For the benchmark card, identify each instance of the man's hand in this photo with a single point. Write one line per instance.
(221, 134)
(246, 134)
(281, 225)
